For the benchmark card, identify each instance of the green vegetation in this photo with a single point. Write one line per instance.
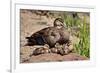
(83, 47)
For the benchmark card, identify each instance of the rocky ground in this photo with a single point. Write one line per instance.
(32, 21)
(52, 57)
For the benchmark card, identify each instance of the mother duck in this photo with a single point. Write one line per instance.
(50, 35)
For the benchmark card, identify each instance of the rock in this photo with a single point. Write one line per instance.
(45, 58)
(74, 57)
(53, 57)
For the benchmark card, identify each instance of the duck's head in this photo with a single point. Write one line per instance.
(59, 23)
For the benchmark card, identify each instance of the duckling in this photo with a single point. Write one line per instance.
(41, 50)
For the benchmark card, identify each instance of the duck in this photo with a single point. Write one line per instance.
(50, 35)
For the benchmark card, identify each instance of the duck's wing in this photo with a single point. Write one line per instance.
(40, 32)
(37, 38)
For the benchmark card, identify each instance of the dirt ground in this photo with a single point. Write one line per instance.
(30, 23)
